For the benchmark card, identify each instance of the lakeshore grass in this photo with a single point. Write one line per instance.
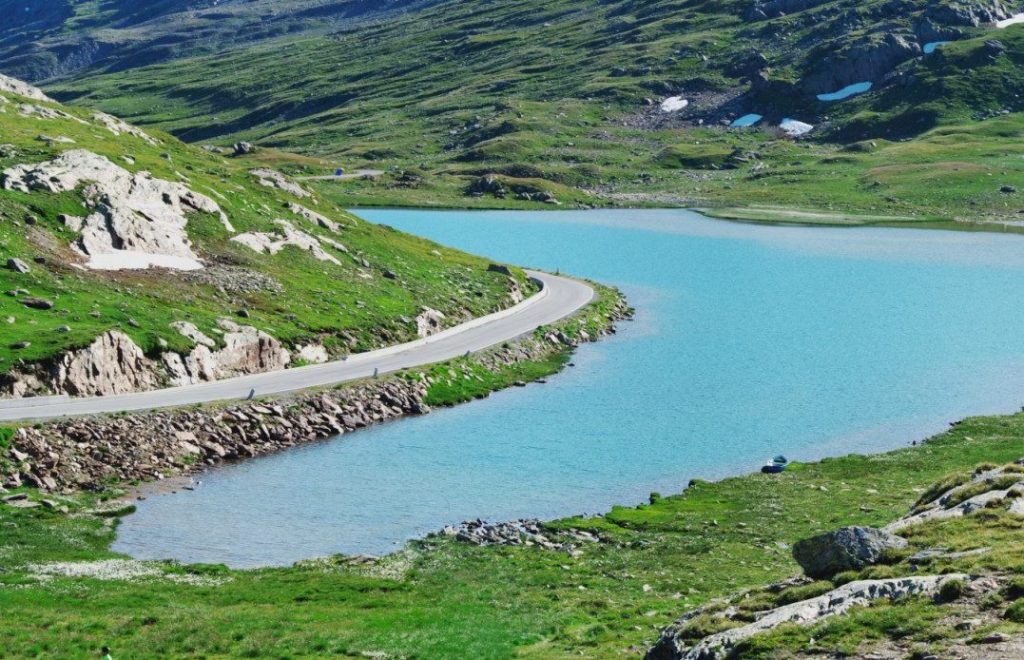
(440, 598)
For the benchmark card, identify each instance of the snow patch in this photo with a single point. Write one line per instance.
(1013, 20)
(673, 104)
(794, 128)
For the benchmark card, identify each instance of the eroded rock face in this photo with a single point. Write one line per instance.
(8, 84)
(849, 548)
(248, 350)
(268, 243)
(430, 322)
(866, 60)
(112, 364)
(806, 612)
(139, 221)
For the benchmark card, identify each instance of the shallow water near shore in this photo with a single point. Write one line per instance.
(749, 341)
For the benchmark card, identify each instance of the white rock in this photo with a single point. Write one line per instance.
(43, 112)
(8, 84)
(268, 243)
(274, 179)
(248, 350)
(314, 217)
(430, 322)
(810, 611)
(118, 127)
(313, 353)
(139, 221)
(192, 333)
(112, 364)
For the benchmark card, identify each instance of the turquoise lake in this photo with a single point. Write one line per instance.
(749, 341)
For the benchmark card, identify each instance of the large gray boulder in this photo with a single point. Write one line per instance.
(849, 548)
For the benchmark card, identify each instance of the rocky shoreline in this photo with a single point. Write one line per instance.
(92, 453)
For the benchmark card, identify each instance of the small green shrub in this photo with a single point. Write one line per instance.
(1015, 589)
(1015, 612)
(952, 590)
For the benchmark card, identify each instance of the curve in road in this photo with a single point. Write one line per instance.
(558, 298)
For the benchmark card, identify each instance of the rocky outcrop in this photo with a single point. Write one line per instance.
(671, 646)
(775, 8)
(248, 350)
(119, 127)
(430, 322)
(14, 86)
(112, 364)
(192, 333)
(44, 112)
(314, 217)
(849, 548)
(867, 59)
(287, 235)
(525, 532)
(274, 179)
(139, 221)
(968, 13)
(999, 487)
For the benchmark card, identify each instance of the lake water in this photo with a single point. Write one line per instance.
(846, 92)
(749, 341)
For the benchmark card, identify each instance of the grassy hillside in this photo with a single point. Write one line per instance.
(369, 298)
(443, 598)
(564, 98)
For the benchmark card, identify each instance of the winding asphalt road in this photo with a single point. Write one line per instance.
(559, 297)
(358, 174)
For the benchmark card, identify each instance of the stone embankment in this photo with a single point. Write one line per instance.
(93, 452)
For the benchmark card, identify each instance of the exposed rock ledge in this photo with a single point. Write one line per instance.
(14, 86)
(91, 452)
(114, 364)
(805, 613)
(138, 222)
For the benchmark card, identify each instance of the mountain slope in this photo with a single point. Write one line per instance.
(565, 98)
(46, 40)
(249, 272)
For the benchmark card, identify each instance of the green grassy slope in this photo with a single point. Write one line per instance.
(558, 93)
(446, 599)
(350, 307)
